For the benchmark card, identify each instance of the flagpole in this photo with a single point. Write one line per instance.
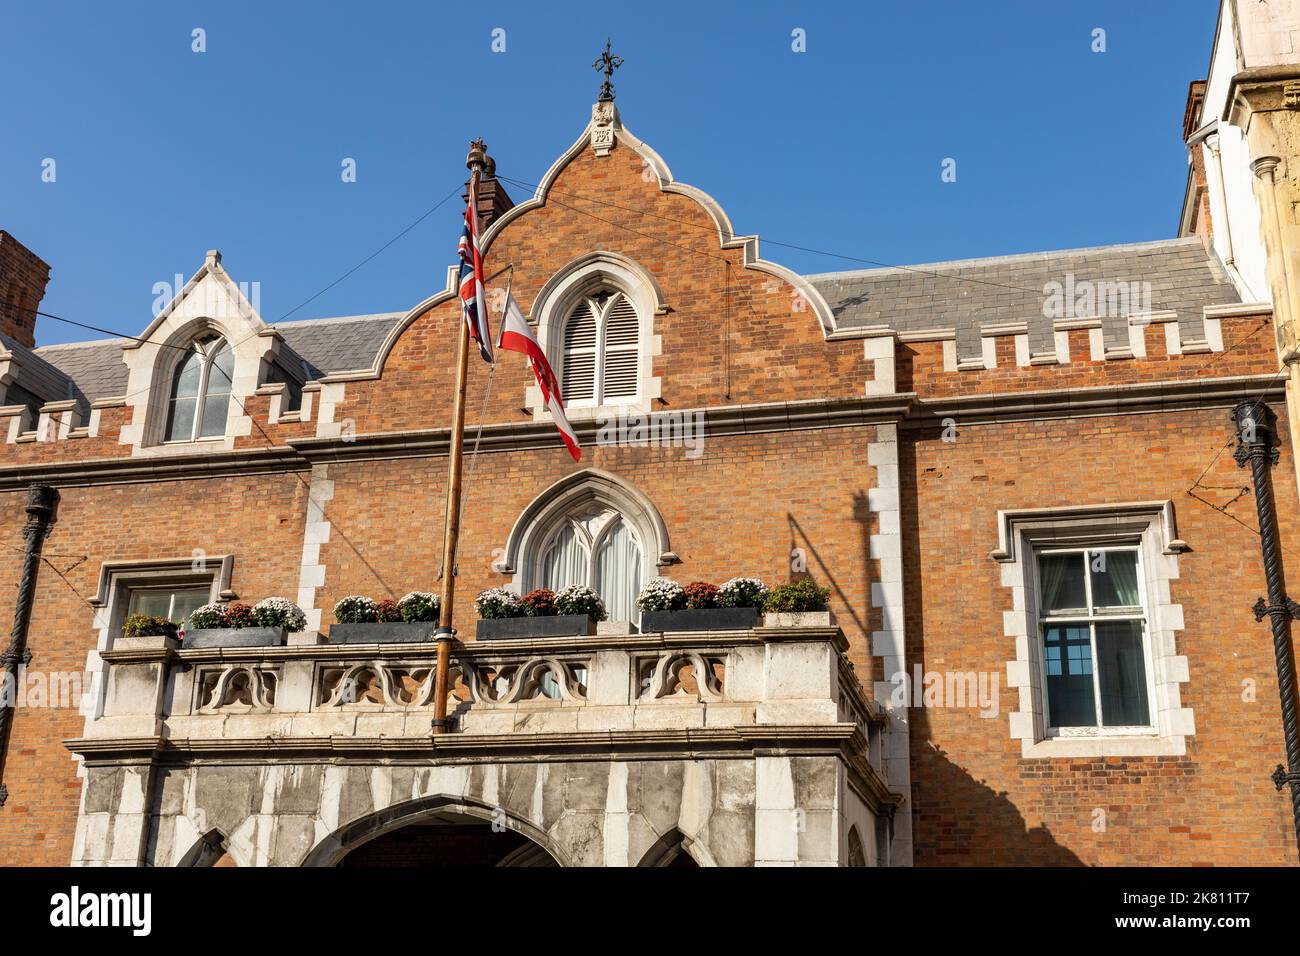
(444, 633)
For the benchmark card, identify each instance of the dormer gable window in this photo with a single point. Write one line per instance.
(200, 391)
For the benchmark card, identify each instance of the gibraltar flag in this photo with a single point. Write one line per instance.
(517, 336)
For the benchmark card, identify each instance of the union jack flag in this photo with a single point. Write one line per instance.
(471, 284)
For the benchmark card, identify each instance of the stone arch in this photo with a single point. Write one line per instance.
(334, 847)
(566, 288)
(592, 485)
(672, 846)
(857, 853)
(208, 850)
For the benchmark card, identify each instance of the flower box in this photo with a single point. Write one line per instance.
(798, 619)
(700, 619)
(527, 628)
(234, 637)
(389, 632)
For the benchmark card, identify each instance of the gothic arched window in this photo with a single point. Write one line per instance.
(200, 391)
(600, 549)
(602, 350)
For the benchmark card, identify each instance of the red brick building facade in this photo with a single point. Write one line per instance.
(917, 440)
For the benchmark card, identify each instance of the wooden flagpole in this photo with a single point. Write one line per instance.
(444, 633)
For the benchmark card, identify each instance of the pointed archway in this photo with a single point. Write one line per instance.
(436, 831)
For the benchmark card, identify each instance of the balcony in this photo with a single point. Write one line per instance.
(749, 747)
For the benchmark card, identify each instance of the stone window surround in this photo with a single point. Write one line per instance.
(210, 303)
(116, 578)
(1152, 525)
(556, 300)
(536, 525)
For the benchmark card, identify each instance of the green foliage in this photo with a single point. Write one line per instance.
(146, 625)
(801, 595)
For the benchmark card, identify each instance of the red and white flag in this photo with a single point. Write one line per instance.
(517, 336)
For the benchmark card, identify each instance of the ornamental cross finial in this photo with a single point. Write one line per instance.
(607, 64)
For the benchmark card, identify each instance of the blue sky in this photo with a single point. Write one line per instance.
(162, 153)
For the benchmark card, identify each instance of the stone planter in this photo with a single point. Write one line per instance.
(393, 632)
(527, 628)
(798, 619)
(700, 619)
(234, 637)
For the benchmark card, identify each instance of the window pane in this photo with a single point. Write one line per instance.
(222, 372)
(185, 384)
(214, 415)
(618, 573)
(180, 423)
(565, 562)
(188, 600)
(1060, 583)
(1121, 668)
(1068, 660)
(1114, 578)
(155, 603)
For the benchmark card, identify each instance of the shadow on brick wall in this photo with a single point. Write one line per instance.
(958, 820)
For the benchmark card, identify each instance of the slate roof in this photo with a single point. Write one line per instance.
(324, 346)
(962, 295)
(966, 295)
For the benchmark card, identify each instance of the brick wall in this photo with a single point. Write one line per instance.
(736, 336)
(977, 800)
(22, 286)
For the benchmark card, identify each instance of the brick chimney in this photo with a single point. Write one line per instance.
(23, 276)
(493, 201)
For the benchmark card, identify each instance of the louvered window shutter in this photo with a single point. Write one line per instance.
(579, 381)
(622, 356)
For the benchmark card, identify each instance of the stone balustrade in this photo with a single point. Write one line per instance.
(174, 719)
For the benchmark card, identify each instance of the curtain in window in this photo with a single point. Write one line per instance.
(1060, 581)
(1114, 579)
(1122, 673)
(618, 573)
(565, 562)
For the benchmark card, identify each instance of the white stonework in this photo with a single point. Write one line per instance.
(1153, 526)
(771, 766)
(879, 351)
(209, 303)
(889, 642)
(316, 532)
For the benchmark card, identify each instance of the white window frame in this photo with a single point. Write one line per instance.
(1022, 535)
(1090, 617)
(112, 597)
(199, 582)
(554, 304)
(208, 347)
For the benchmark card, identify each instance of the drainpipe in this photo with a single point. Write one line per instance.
(42, 503)
(1257, 444)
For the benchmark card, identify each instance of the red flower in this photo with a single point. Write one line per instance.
(387, 611)
(240, 615)
(539, 603)
(700, 594)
